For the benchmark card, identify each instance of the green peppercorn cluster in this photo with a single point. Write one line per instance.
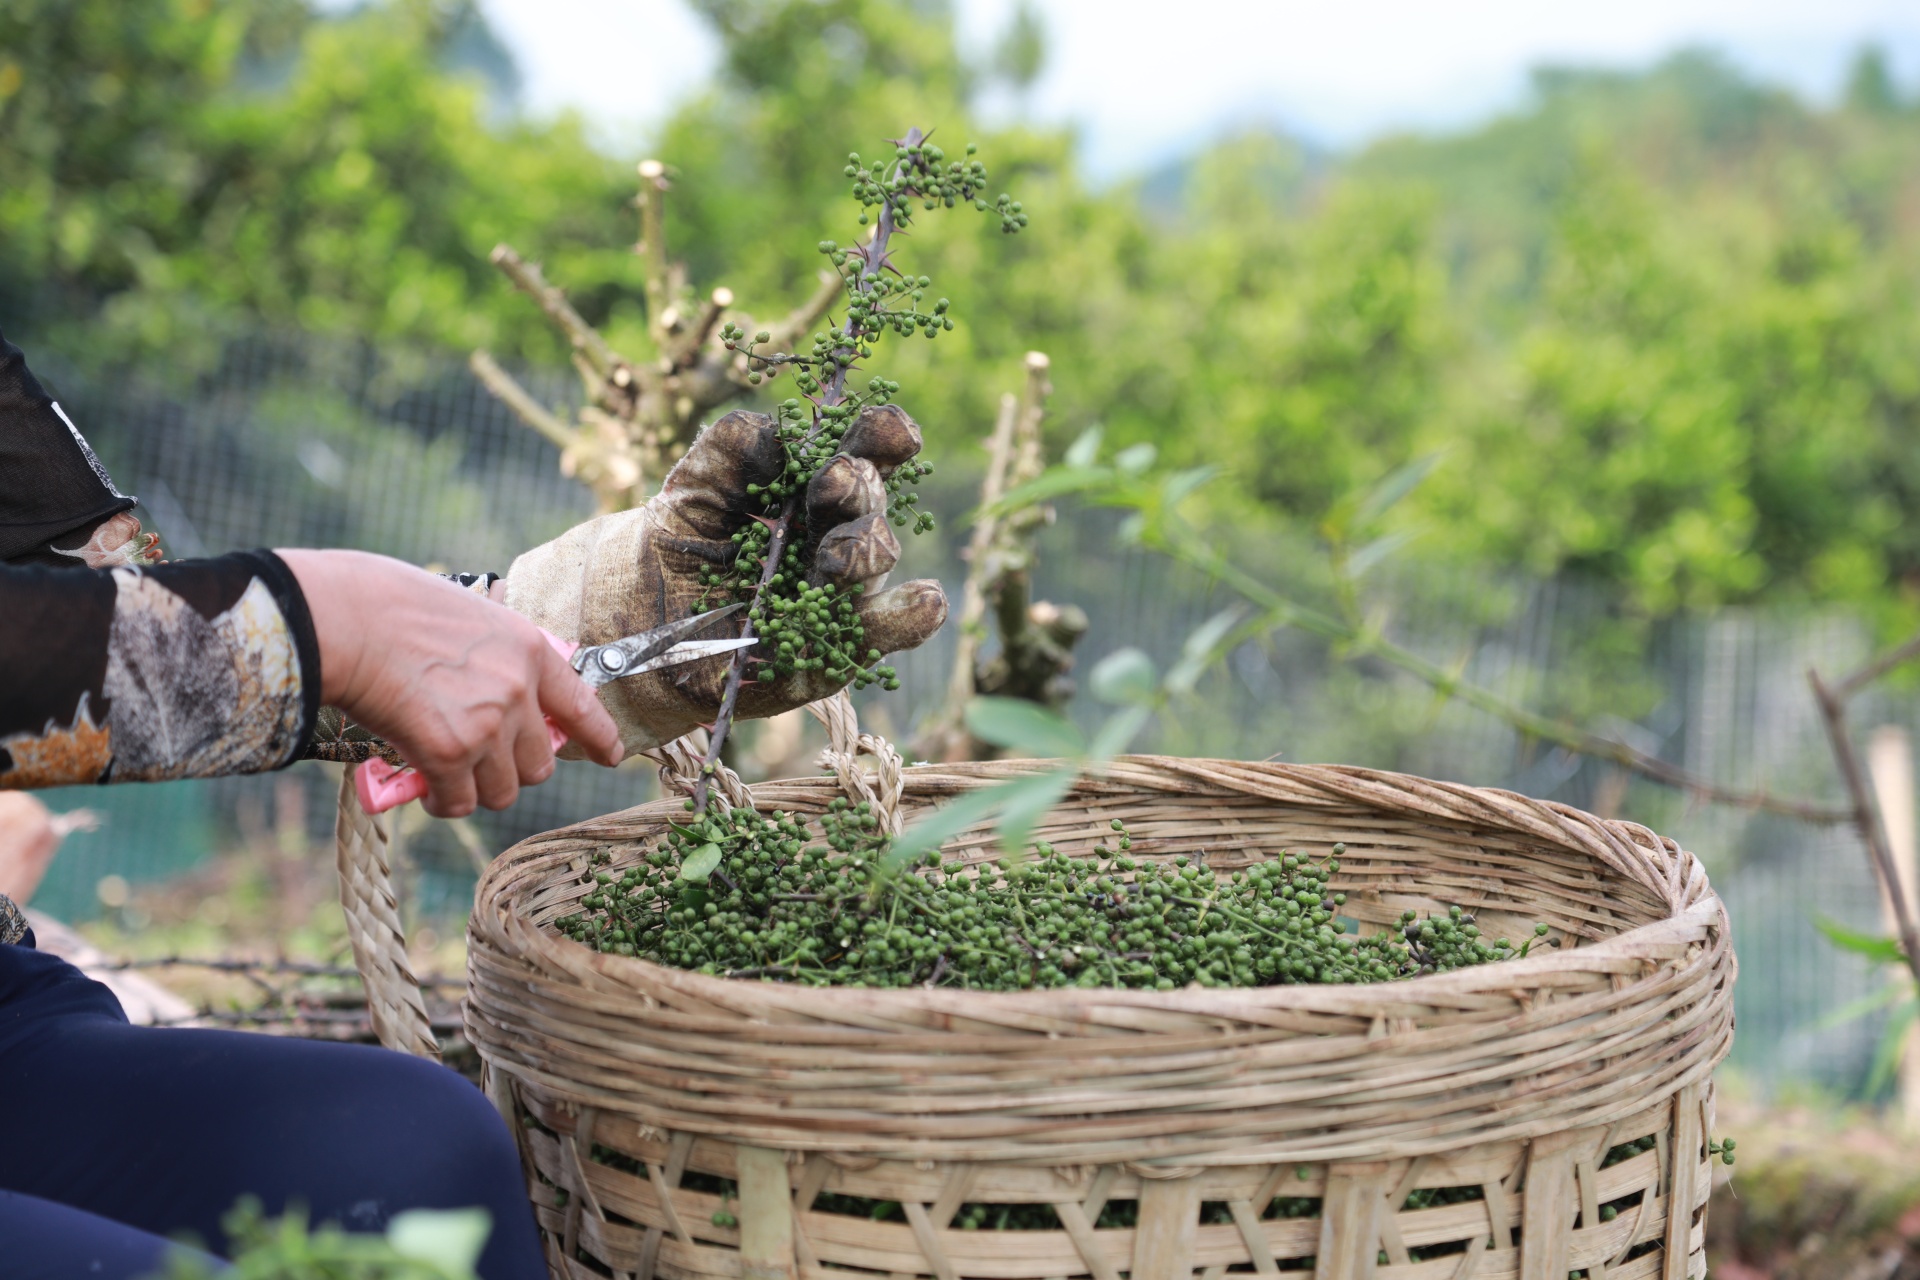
(741, 894)
(814, 626)
(921, 171)
(805, 626)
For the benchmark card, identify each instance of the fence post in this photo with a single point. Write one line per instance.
(1890, 764)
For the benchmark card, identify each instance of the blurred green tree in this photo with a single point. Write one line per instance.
(172, 167)
(1661, 322)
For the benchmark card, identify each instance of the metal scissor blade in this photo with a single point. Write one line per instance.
(694, 650)
(599, 663)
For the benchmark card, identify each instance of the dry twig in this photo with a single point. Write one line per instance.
(1865, 815)
(640, 414)
(1036, 637)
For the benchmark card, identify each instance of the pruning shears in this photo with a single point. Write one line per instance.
(381, 786)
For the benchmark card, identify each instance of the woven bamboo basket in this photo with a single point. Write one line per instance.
(1538, 1118)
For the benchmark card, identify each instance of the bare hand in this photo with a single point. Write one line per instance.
(29, 837)
(457, 684)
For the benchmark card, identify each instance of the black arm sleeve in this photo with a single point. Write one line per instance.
(50, 482)
(177, 671)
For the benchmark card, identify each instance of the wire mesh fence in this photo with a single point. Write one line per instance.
(288, 440)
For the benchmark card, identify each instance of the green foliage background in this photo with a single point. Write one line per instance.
(1665, 325)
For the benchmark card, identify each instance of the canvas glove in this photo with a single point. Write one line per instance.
(623, 573)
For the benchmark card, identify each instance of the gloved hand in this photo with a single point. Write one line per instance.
(623, 573)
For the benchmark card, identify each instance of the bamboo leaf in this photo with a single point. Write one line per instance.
(1029, 804)
(1386, 495)
(1884, 950)
(1119, 730)
(1865, 1006)
(1031, 794)
(1125, 676)
(1374, 552)
(1892, 1046)
(1054, 482)
(1025, 727)
(1201, 650)
(1181, 484)
(1083, 451)
(448, 1239)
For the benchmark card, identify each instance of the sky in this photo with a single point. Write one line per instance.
(1146, 79)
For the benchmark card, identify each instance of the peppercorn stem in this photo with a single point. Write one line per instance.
(873, 261)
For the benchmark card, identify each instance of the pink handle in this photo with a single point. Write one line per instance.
(382, 786)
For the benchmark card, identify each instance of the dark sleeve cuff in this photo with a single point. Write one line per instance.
(273, 571)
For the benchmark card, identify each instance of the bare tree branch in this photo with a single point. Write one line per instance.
(653, 238)
(1037, 638)
(517, 398)
(1866, 818)
(1853, 682)
(527, 278)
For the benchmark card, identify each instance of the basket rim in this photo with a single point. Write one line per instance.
(1695, 911)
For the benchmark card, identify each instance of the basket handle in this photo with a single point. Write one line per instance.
(362, 848)
(845, 743)
(680, 762)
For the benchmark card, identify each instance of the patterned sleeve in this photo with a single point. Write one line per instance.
(144, 674)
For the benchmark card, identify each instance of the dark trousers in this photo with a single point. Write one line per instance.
(115, 1138)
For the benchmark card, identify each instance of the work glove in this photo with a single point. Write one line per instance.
(632, 570)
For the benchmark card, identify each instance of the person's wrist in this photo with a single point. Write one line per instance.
(329, 581)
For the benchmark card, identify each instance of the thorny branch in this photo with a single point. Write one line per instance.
(873, 260)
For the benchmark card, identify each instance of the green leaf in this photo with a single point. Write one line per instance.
(1029, 804)
(1374, 552)
(1083, 451)
(1892, 1046)
(1178, 486)
(1867, 1005)
(1884, 950)
(701, 863)
(1135, 459)
(1119, 730)
(1124, 676)
(1025, 726)
(1386, 495)
(1054, 482)
(1204, 646)
(964, 811)
(450, 1239)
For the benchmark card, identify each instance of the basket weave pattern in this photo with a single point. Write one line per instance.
(636, 1088)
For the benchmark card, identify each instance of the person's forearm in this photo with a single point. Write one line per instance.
(176, 671)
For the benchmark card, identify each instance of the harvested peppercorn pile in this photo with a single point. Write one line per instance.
(740, 894)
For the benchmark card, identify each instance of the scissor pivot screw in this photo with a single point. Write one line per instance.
(612, 659)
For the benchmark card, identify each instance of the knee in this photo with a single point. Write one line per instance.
(457, 1149)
